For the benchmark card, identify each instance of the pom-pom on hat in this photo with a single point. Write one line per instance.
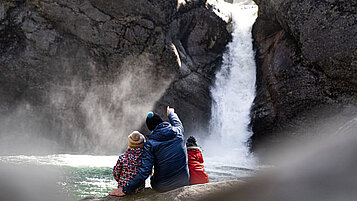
(136, 140)
(152, 120)
(150, 114)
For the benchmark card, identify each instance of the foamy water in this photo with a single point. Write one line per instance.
(234, 91)
(63, 160)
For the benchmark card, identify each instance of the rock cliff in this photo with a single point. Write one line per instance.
(306, 55)
(82, 72)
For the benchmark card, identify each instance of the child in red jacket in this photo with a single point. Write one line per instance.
(195, 160)
(129, 162)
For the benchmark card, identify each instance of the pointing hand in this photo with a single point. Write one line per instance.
(169, 110)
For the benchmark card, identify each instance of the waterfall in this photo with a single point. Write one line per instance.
(234, 90)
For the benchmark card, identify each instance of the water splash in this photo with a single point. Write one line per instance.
(234, 90)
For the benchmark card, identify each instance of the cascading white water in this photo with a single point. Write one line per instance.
(234, 90)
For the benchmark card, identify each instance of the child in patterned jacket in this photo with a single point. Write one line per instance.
(130, 161)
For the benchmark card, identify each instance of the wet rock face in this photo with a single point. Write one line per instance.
(306, 58)
(87, 71)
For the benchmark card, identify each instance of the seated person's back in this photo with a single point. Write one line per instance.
(195, 160)
(130, 161)
(165, 149)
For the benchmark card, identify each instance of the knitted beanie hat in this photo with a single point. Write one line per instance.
(136, 140)
(152, 120)
(191, 142)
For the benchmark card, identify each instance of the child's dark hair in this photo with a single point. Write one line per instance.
(191, 141)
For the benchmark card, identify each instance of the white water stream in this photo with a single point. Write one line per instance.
(234, 91)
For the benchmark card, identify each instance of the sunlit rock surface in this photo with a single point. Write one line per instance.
(193, 192)
(306, 54)
(81, 75)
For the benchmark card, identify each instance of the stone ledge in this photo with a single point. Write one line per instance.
(193, 192)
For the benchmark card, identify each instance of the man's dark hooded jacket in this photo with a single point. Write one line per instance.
(165, 149)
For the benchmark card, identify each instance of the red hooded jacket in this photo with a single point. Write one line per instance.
(197, 170)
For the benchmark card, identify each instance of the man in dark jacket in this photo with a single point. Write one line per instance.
(165, 149)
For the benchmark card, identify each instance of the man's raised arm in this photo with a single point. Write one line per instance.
(175, 121)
